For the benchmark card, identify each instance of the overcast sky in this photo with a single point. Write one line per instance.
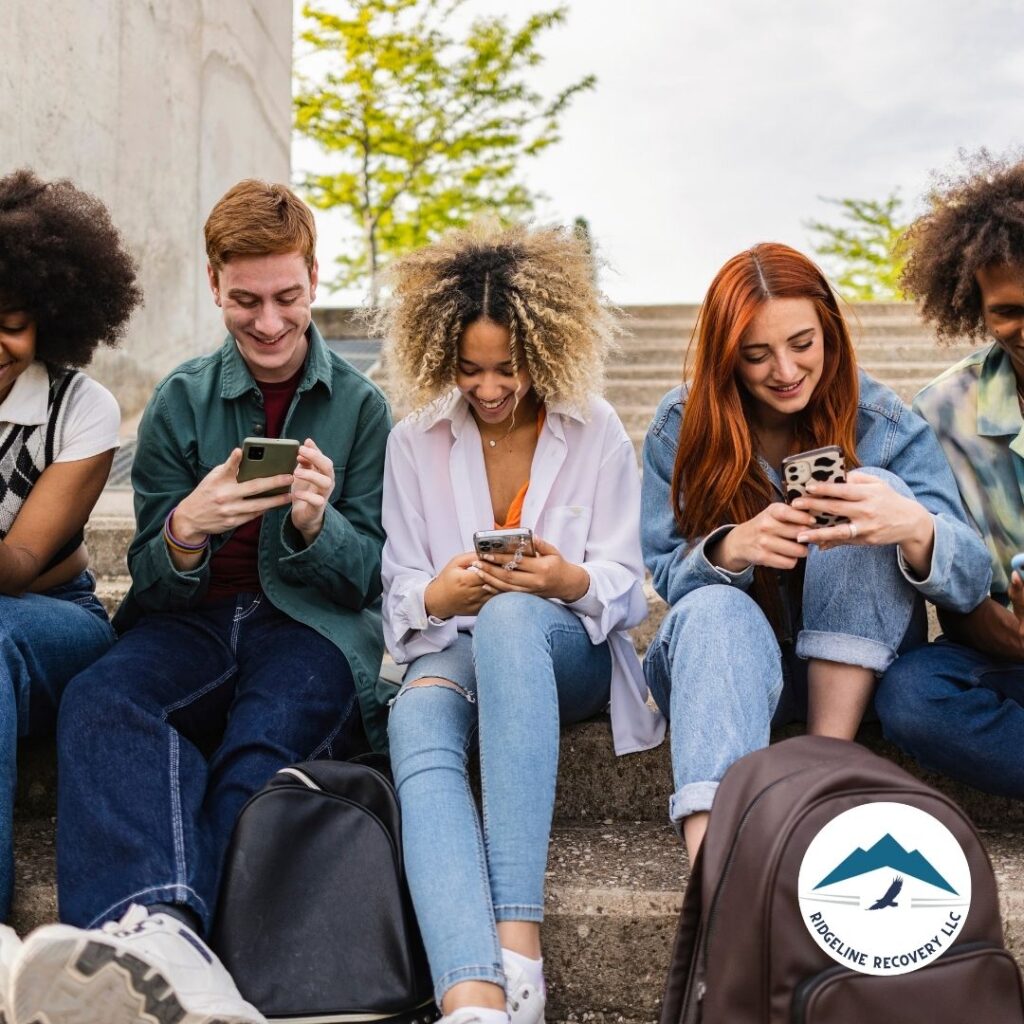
(719, 123)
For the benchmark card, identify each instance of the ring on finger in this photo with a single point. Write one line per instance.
(853, 530)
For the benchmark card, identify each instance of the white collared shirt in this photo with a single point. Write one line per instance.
(90, 422)
(584, 497)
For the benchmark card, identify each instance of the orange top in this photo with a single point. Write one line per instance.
(515, 511)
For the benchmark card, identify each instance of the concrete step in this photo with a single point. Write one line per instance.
(593, 784)
(637, 351)
(645, 332)
(881, 365)
(613, 894)
(648, 391)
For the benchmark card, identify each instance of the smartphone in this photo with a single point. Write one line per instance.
(507, 543)
(826, 465)
(267, 456)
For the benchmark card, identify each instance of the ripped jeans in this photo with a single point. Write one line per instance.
(528, 667)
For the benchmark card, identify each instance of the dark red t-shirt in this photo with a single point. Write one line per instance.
(234, 567)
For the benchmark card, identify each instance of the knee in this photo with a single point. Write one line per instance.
(509, 611)
(715, 614)
(89, 700)
(894, 481)
(507, 622)
(423, 719)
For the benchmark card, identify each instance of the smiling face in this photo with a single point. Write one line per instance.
(17, 347)
(485, 373)
(266, 303)
(782, 358)
(1002, 305)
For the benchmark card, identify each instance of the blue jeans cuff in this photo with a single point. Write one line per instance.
(183, 895)
(845, 649)
(692, 798)
(518, 912)
(480, 972)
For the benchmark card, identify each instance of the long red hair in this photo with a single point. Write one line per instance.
(717, 478)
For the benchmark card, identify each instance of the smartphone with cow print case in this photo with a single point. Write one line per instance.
(825, 465)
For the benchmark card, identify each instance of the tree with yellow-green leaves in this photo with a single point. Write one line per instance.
(424, 130)
(862, 254)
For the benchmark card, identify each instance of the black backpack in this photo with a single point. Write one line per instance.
(314, 920)
(744, 952)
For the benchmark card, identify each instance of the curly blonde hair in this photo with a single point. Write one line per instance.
(537, 282)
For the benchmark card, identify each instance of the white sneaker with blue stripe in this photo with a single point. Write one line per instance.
(144, 969)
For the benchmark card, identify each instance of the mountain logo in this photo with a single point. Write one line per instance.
(884, 888)
(886, 853)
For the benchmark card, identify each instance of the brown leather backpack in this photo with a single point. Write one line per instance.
(743, 953)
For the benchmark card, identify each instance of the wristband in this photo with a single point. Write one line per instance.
(179, 545)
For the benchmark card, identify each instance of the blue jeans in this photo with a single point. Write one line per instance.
(717, 672)
(164, 739)
(960, 712)
(46, 638)
(528, 666)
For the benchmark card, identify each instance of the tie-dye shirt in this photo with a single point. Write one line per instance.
(973, 408)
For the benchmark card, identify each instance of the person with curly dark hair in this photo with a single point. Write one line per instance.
(67, 285)
(958, 705)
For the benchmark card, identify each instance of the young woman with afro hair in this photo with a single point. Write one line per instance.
(958, 705)
(67, 285)
(497, 339)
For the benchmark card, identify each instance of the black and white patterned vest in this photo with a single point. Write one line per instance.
(27, 449)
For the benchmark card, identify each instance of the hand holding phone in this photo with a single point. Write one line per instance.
(458, 589)
(220, 503)
(312, 490)
(546, 574)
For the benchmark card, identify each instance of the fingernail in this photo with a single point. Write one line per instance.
(811, 488)
(801, 538)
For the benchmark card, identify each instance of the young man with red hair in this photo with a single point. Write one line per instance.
(251, 637)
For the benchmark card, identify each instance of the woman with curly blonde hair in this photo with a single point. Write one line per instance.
(498, 337)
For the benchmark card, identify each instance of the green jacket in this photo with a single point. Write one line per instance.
(197, 415)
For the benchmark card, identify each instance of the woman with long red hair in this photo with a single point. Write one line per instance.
(773, 615)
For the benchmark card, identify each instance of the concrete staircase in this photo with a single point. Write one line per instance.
(616, 871)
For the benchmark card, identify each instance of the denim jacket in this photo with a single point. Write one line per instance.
(889, 436)
(197, 415)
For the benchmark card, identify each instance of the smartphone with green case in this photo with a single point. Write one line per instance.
(267, 456)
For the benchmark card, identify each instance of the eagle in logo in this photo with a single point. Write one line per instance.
(889, 899)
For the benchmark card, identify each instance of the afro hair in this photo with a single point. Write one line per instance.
(975, 219)
(62, 261)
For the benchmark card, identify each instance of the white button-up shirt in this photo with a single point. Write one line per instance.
(584, 497)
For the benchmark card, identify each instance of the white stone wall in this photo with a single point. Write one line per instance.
(157, 106)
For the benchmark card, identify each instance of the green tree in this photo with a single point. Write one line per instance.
(425, 131)
(862, 252)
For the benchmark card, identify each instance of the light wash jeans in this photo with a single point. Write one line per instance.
(528, 666)
(45, 639)
(717, 672)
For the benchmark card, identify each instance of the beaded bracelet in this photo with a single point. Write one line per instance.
(178, 545)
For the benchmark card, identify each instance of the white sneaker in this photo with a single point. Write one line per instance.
(144, 969)
(10, 945)
(523, 1000)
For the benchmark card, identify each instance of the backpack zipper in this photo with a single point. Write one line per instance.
(701, 985)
